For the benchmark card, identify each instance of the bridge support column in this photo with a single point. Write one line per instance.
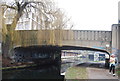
(116, 40)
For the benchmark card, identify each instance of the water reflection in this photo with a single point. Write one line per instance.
(65, 66)
(70, 62)
(40, 72)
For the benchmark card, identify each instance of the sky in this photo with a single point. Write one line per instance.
(91, 14)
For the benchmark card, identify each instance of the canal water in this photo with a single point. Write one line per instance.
(41, 72)
(70, 62)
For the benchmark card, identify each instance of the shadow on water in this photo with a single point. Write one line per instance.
(65, 66)
(47, 58)
(39, 72)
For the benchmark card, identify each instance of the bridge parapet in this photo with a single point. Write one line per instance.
(88, 38)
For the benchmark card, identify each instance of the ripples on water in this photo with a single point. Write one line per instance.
(40, 72)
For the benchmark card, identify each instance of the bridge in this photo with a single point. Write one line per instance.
(82, 38)
(41, 54)
(35, 45)
(106, 40)
(103, 40)
(90, 39)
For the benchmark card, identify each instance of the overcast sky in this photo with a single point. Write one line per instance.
(91, 14)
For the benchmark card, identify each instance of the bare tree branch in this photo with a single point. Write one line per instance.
(9, 6)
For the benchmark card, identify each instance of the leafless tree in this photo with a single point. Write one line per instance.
(21, 7)
(52, 22)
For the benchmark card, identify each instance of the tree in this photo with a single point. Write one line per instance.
(52, 22)
(9, 30)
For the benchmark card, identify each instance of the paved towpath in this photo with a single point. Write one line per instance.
(97, 71)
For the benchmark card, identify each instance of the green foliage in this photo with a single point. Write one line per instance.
(118, 71)
(76, 73)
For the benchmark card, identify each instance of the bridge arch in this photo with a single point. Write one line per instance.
(46, 53)
(83, 48)
(89, 49)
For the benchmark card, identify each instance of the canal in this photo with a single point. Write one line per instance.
(50, 71)
(43, 72)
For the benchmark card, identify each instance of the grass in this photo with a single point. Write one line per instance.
(76, 73)
(118, 71)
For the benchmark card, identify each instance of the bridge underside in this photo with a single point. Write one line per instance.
(82, 48)
(45, 54)
(52, 48)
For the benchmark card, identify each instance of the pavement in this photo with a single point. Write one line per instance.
(98, 71)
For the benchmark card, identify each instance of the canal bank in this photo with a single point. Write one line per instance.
(73, 68)
(39, 72)
(89, 71)
(33, 71)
